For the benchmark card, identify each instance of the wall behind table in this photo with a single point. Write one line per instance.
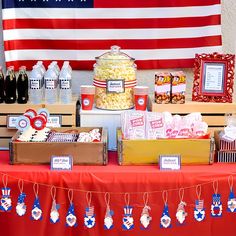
(147, 76)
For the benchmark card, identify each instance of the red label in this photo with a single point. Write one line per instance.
(184, 132)
(137, 122)
(156, 123)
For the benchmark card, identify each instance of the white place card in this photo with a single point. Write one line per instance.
(54, 121)
(11, 121)
(61, 162)
(170, 162)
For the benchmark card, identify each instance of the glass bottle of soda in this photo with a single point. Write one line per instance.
(2, 93)
(22, 86)
(10, 85)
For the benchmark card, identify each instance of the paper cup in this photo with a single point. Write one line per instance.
(140, 97)
(87, 96)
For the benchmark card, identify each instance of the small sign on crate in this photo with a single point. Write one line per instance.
(61, 162)
(170, 162)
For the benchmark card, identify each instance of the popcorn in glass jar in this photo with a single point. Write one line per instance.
(114, 79)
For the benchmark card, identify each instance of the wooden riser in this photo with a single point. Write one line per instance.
(213, 113)
(67, 111)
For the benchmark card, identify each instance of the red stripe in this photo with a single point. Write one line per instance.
(106, 44)
(88, 65)
(111, 23)
(152, 3)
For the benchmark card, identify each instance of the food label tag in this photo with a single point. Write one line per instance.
(170, 162)
(115, 86)
(61, 162)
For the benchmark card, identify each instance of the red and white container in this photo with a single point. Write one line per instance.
(87, 96)
(140, 97)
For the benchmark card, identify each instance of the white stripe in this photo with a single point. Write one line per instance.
(180, 53)
(112, 13)
(106, 34)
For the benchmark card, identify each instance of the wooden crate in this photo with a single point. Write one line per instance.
(147, 152)
(213, 113)
(83, 153)
(67, 111)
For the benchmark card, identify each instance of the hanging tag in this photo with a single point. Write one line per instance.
(181, 214)
(21, 207)
(128, 220)
(231, 204)
(165, 221)
(199, 210)
(36, 213)
(216, 206)
(108, 220)
(54, 214)
(6, 204)
(145, 218)
(71, 219)
(89, 217)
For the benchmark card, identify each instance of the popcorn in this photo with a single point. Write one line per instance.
(118, 67)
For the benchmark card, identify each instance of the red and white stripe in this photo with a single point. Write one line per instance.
(158, 34)
(103, 84)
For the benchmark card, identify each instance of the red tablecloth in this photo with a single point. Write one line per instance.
(117, 180)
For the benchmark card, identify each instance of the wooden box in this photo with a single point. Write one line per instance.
(213, 113)
(67, 112)
(41, 152)
(146, 152)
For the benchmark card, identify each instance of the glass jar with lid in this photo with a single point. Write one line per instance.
(114, 79)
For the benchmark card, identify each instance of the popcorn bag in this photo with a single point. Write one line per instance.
(114, 79)
(154, 125)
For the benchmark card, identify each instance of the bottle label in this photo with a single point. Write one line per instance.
(50, 84)
(65, 84)
(35, 84)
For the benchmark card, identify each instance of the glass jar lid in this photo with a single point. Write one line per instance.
(114, 54)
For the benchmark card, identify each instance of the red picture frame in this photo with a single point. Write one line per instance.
(213, 78)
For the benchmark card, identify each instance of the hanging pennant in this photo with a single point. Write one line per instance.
(216, 206)
(181, 213)
(6, 204)
(20, 206)
(54, 214)
(165, 221)
(231, 204)
(71, 219)
(108, 220)
(128, 220)
(89, 217)
(145, 218)
(199, 210)
(36, 213)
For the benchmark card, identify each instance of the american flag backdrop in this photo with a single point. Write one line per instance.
(157, 33)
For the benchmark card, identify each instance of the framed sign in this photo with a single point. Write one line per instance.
(170, 162)
(213, 78)
(61, 162)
